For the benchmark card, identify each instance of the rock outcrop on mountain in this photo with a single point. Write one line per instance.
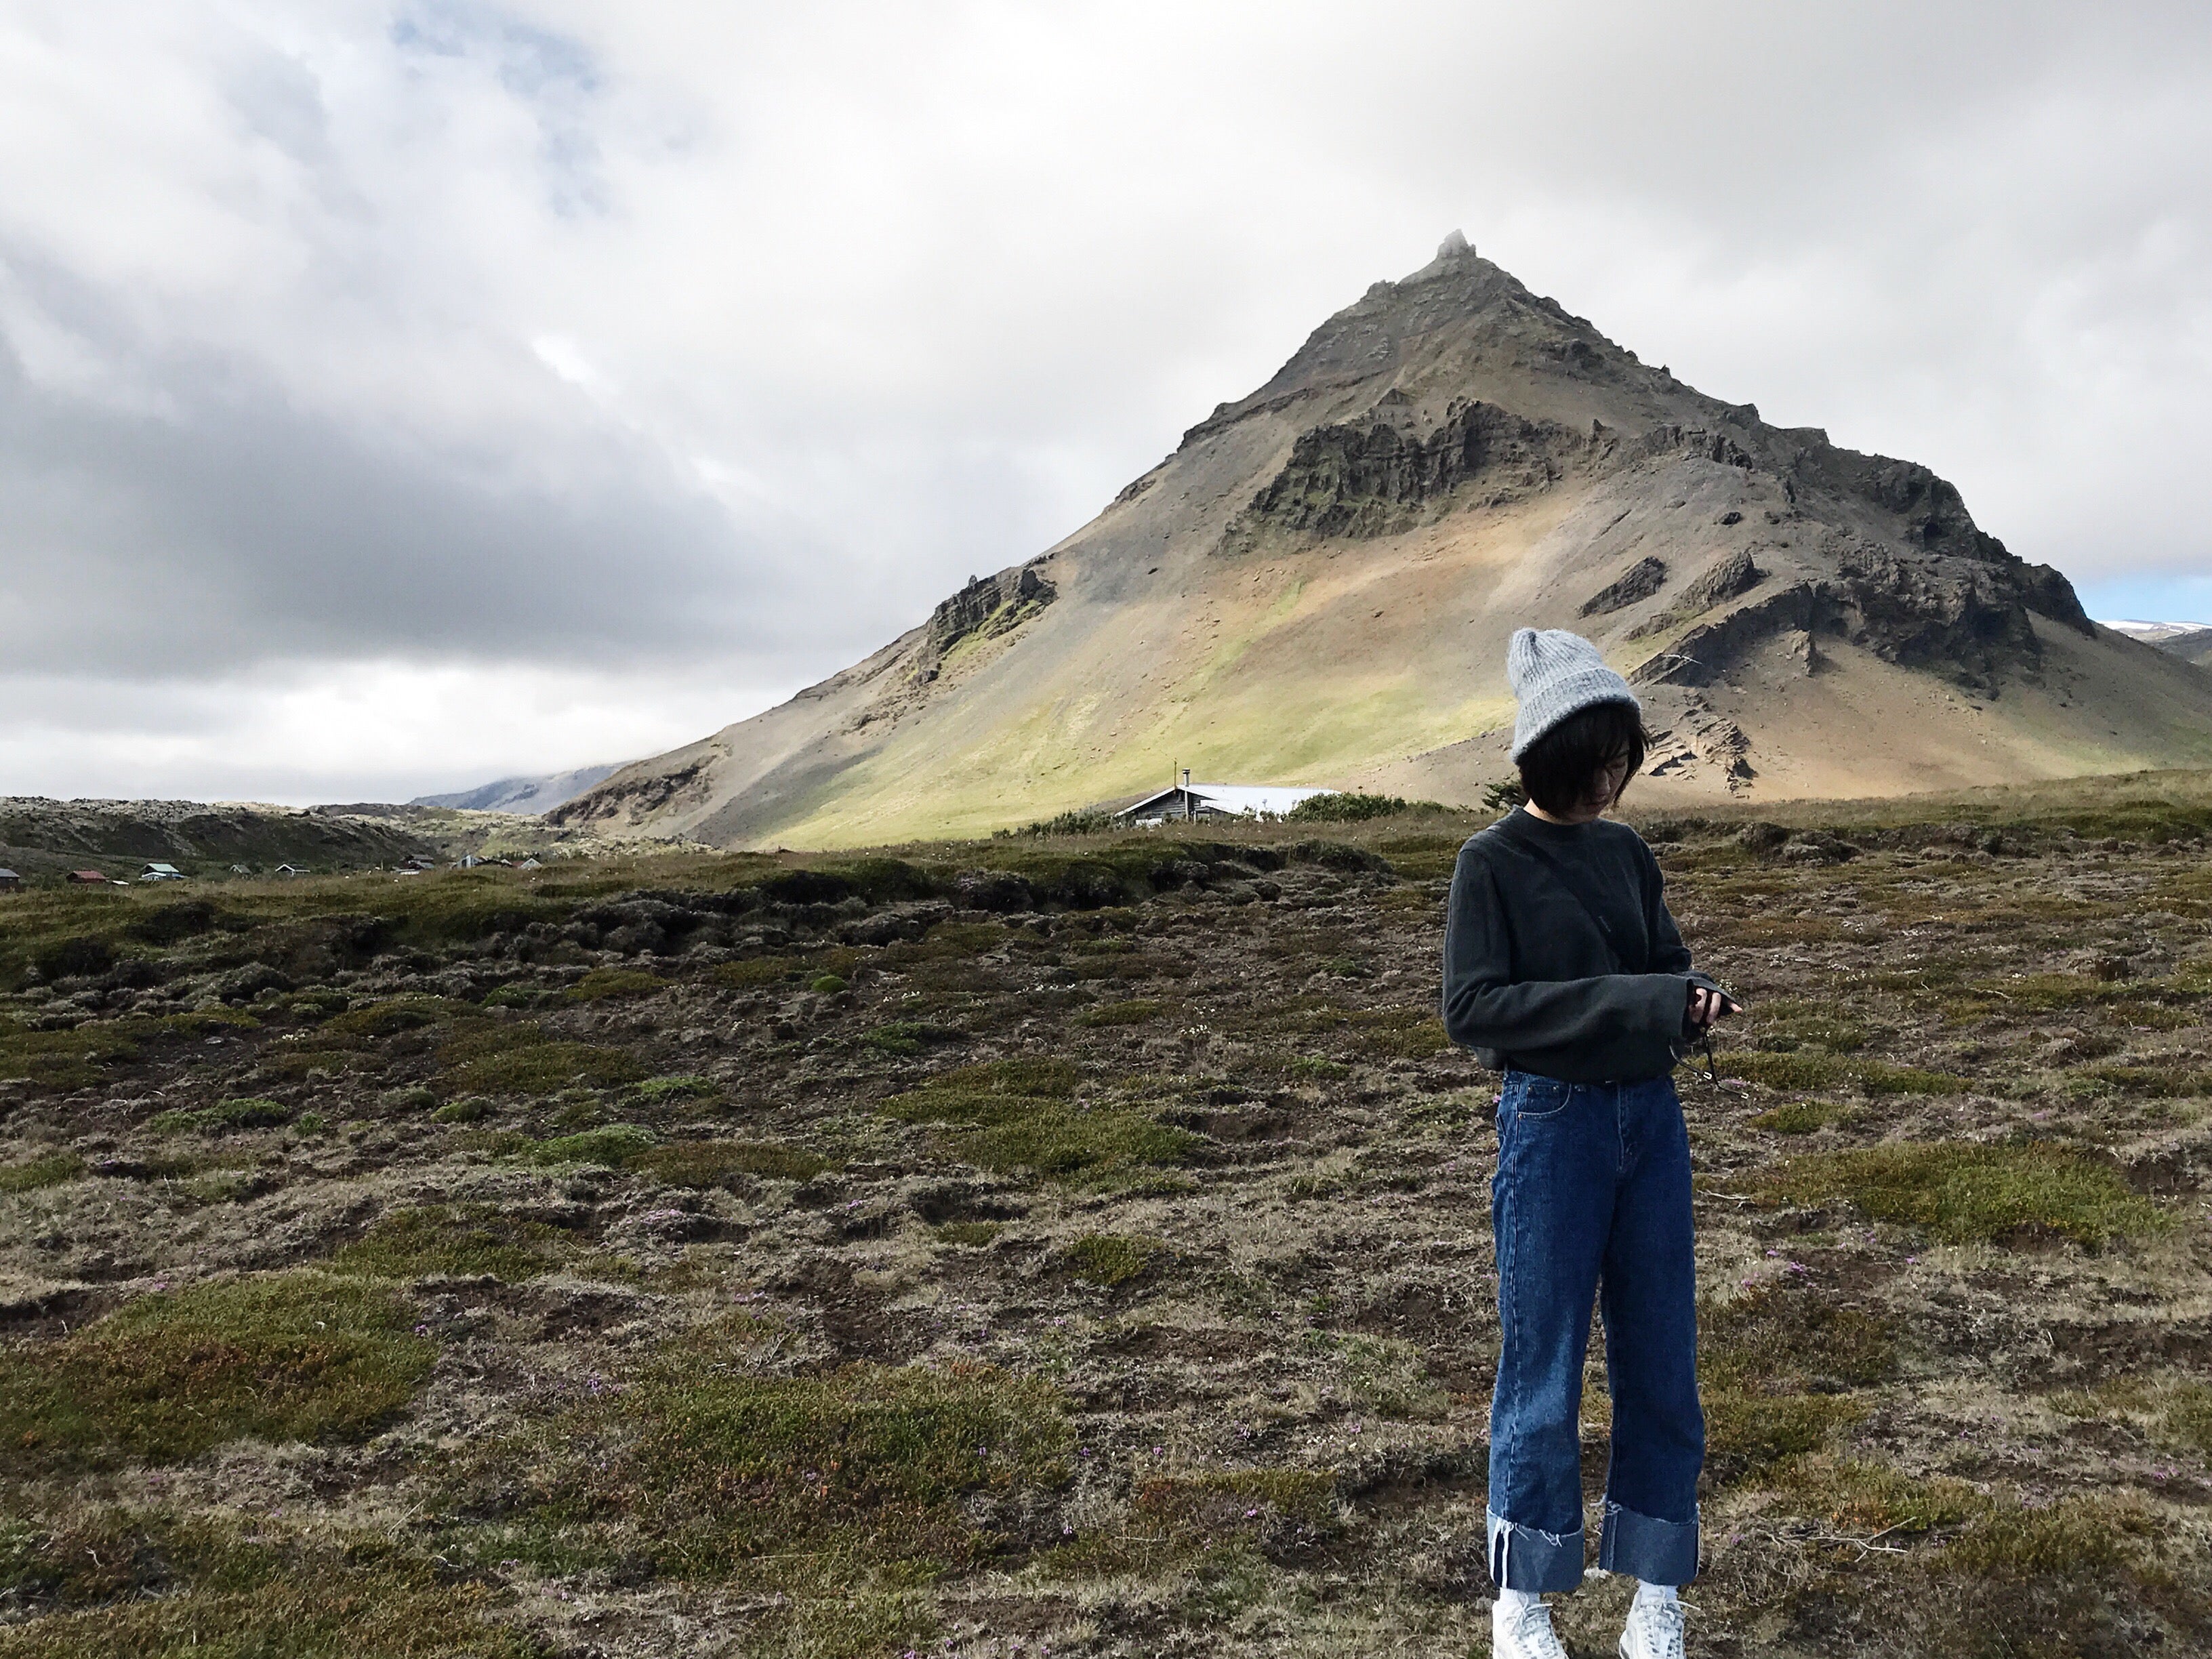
(1317, 586)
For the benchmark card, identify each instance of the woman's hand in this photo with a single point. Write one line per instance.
(1707, 1006)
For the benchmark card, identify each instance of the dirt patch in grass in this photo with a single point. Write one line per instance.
(1964, 1194)
(300, 1355)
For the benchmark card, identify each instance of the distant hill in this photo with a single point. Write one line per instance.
(1317, 587)
(527, 795)
(2190, 641)
(43, 837)
(2193, 645)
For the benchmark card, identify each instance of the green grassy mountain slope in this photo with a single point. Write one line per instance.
(1318, 586)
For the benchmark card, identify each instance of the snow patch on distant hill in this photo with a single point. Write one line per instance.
(2152, 633)
(539, 794)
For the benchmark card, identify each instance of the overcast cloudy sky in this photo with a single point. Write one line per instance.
(397, 394)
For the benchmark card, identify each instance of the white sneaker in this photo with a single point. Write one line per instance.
(1654, 1631)
(1528, 1636)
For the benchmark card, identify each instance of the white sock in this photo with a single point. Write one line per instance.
(1513, 1602)
(1647, 1592)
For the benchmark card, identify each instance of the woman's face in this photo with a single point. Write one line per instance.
(1605, 789)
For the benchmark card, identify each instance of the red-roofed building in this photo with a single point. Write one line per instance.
(86, 877)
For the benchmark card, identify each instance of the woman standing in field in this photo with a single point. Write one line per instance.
(1563, 969)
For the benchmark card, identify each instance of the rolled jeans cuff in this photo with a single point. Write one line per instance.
(1657, 1552)
(1527, 1558)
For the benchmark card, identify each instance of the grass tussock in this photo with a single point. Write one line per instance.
(1140, 1011)
(1988, 1576)
(1111, 1260)
(1812, 1068)
(251, 1112)
(612, 1145)
(523, 1060)
(144, 1585)
(300, 1356)
(1019, 1114)
(118, 1584)
(1965, 1193)
(866, 1475)
(605, 984)
(53, 1170)
(1800, 1117)
(1273, 1514)
(458, 1240)
(701, 1163)
(1776, 1368)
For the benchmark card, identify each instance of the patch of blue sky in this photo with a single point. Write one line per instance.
(555, 77)
(2149, 596)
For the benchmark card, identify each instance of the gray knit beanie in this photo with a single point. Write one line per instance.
(1555, 674)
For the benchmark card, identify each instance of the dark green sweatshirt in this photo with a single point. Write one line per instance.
(1531, 980)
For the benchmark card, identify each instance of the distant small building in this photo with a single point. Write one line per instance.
(1191, 801)
(9, 881)
(86, 877)
(160, 873)
(290, 870)
(530, 864)
(241, 869)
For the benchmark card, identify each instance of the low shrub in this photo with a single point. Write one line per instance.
(697, 1468)
(614, 1146)
(1110, 1259)
(52, 1170)
(522, 1060)
(111, 1582)
(908, 1036)
(300, 1356)
(1353, 807)
(1963, 1193)
(1018, 1115)
(603, 983)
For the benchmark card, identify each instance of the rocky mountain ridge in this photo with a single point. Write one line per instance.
(1316, 587)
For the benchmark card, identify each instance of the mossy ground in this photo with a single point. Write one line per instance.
(502, 1263)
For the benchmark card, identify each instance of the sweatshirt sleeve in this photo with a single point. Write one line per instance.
(1668, 954)
(1484, 1008)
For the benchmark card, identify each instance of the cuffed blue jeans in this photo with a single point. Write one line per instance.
(1592, 1202)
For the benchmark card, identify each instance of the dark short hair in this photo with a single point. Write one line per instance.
(1560, 769)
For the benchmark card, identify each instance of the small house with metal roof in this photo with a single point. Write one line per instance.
(1192, 802)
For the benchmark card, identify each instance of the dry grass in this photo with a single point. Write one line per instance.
(1108, 1269)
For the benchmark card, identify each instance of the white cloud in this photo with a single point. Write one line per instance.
(675, 345)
